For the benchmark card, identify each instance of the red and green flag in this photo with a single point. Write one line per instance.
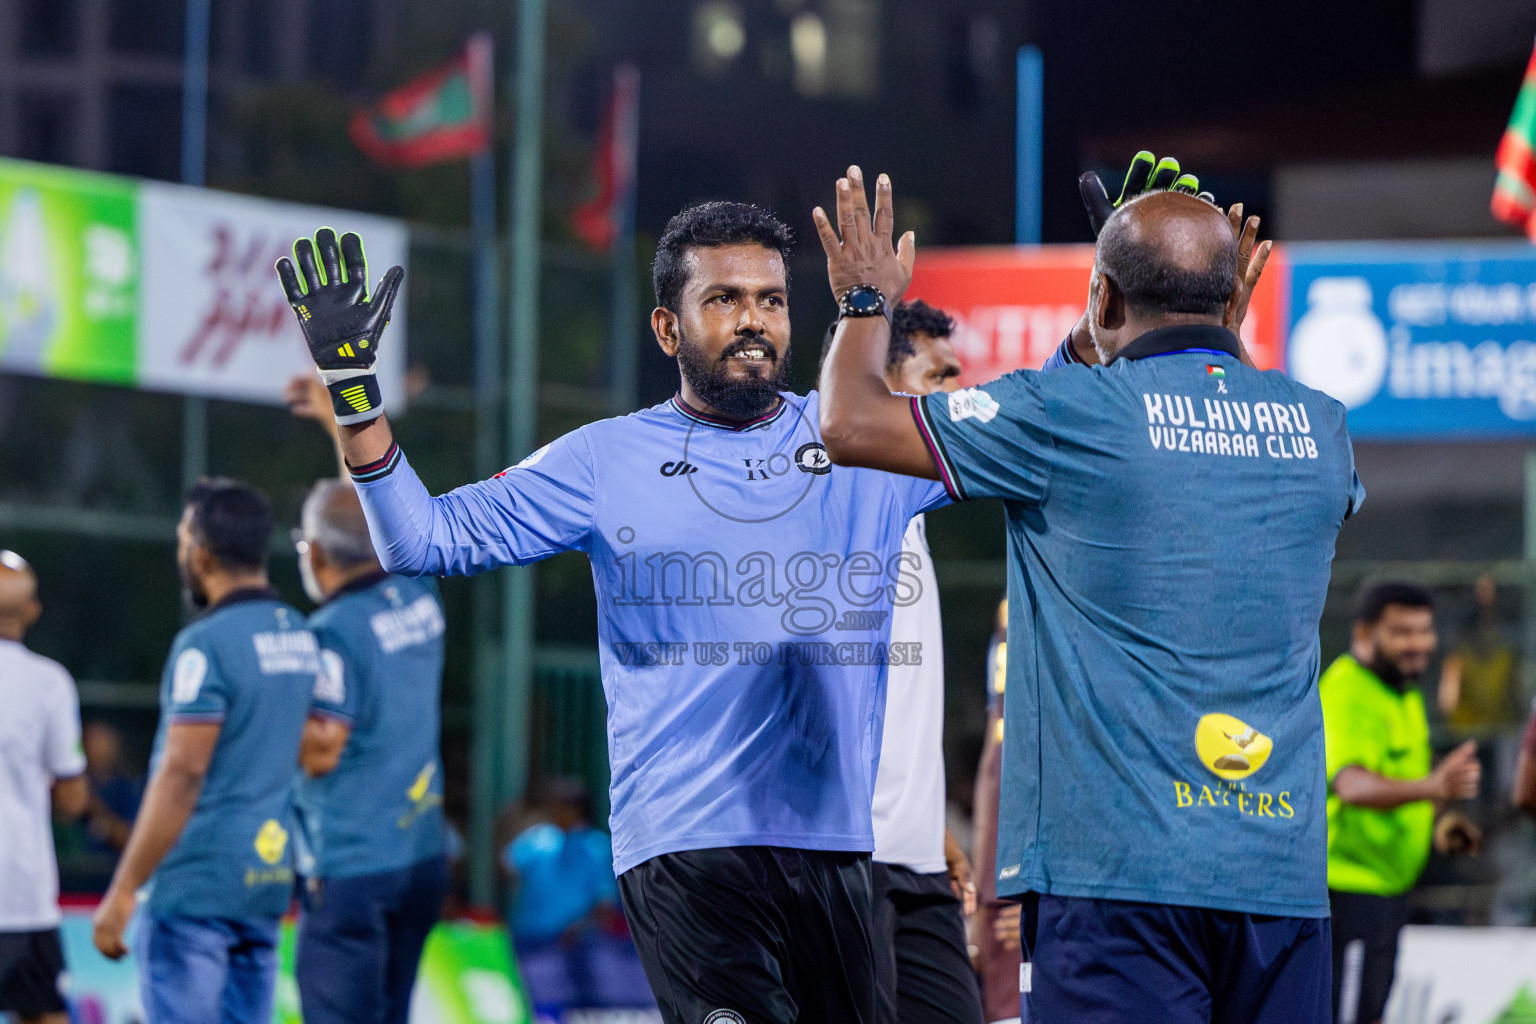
(443, 115)
(1514, 195)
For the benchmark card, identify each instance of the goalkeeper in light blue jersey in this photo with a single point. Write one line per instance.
(745, 588)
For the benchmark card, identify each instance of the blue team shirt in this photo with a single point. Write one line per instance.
(1171, 523)
(250, 665)
(744, 589)
(381, 659)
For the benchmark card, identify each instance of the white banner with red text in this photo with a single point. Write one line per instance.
(165, 287)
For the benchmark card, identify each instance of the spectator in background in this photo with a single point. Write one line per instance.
(1478, 681)
(40, 759)
(573, 947)
(211, 842)
(115, 794)
(1383, 796)
(370, 800)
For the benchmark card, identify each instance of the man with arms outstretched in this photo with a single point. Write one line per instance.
(1171, 519)
(744, 589)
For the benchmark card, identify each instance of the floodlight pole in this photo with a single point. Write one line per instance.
(1028, 174)
(522, 393)
(194, 171)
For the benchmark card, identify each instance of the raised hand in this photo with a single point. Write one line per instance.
(341, 323)
(1250, 260)
(1146, 174)
(864, 254)
(1460, 774)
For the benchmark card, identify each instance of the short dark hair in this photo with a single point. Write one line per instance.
(233, 520)
(1372, 599)
(709, 226)
(1151, 283)
(911, 318)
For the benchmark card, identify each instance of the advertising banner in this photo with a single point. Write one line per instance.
(1464, 976)
(1014, 305)
(164, 287)
(467, 976)
(1420, 341)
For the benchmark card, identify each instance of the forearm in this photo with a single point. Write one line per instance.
(168, 804)
(367, 442)
(466, 531)
(862, 423)
(1361, 788)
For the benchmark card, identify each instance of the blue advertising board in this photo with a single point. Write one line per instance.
(1419, 341)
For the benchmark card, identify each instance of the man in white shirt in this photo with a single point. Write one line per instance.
(40, 757)
(922, 882)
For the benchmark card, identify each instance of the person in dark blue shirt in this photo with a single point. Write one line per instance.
(1171, 520)
(370, 799)
(211, 843)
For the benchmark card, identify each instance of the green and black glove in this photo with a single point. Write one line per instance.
(340, 322)
(1147, 174)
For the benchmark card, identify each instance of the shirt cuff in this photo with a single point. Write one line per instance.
(930, 437)
(377, 469)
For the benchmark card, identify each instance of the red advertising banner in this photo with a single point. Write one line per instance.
(1014, 305)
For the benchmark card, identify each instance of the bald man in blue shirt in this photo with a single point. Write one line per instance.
(1171, 519)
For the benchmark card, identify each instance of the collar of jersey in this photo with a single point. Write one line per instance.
(1181, 338)
(363, 582)
(246, 594)
(690, 413)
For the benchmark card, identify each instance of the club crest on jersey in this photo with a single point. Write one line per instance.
(812, 457)
(1230, 747)
(972, 403)
(271, 841)
(725, 1017)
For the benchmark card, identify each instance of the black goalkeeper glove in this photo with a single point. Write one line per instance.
(340, 322)
(1146, 174)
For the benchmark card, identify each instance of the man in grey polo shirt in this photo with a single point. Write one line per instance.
(1171, 520)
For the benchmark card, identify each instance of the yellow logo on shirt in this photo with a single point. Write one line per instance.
(1230, 747)
(422, 800)
(271, 841)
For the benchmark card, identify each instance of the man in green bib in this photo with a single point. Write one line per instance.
(1383, 797)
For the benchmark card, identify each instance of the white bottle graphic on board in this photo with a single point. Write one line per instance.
(1339, 346)
(28, 309)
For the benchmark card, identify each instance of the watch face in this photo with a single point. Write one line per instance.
(863, 301)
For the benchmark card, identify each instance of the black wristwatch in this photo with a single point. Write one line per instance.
(862, 300)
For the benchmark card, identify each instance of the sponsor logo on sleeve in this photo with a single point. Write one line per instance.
(187, 678)
(972, 403)
(330, 683)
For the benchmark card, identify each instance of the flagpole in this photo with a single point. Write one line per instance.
(623, 331)
(522, 392)
(482, 824)
(194, 171)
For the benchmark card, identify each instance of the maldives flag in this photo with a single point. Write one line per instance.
(442, 115)
(601, 220)
(1514, 195)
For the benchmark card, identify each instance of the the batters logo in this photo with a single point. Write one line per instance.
(812, 457)
(271, 841)
(1230, 747)
(725, 1017)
